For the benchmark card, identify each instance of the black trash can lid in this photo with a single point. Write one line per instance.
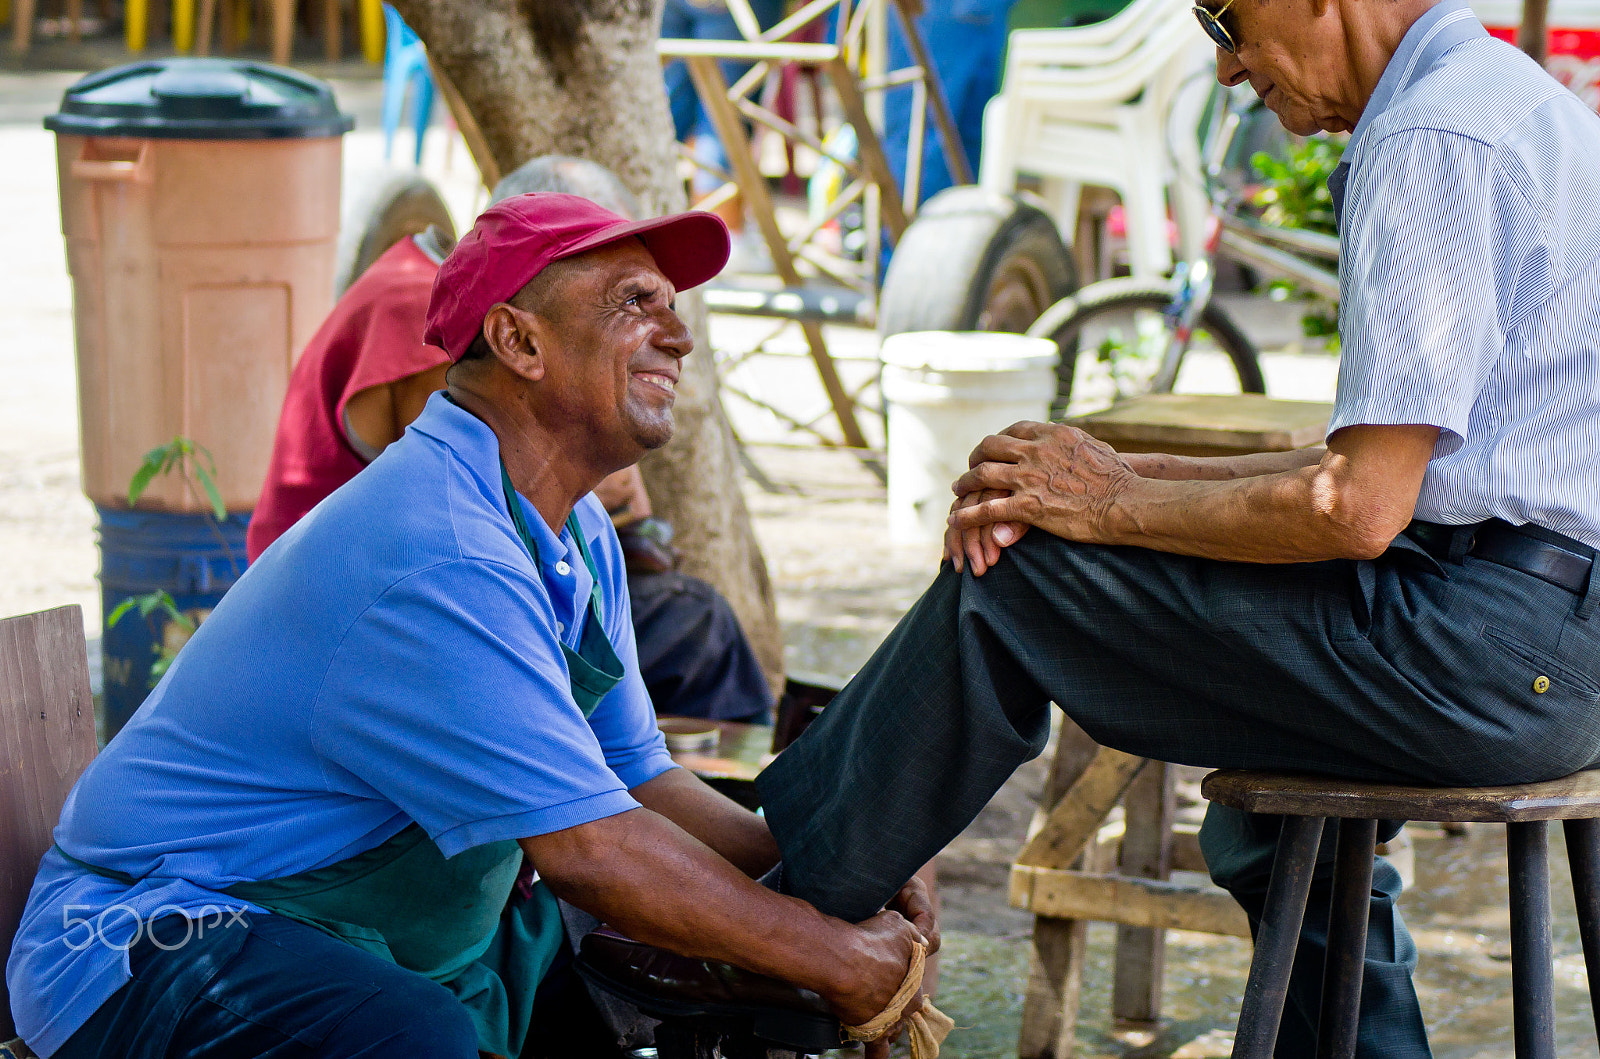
(200, 99)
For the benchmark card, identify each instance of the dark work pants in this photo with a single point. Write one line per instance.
(267, 987)
(1399, 669)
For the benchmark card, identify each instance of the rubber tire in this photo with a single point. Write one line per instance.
(1063, 320)
(963, 240)
(393, 205)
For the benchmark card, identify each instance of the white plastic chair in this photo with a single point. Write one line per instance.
(1094, 105)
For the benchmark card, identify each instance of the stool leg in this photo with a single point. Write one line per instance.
(1583, 852)
(1277, 937)
(1532, 972)
(1347, 939)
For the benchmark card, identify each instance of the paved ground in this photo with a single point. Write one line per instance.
(841, 586)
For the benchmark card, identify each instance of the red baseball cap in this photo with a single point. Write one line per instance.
(514, 240)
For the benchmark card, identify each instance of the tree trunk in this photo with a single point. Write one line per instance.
(581, 77)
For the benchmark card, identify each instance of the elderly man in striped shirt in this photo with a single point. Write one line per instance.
(1412, 602)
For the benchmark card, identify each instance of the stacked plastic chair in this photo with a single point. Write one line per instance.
(1096, 105)
(405, 66)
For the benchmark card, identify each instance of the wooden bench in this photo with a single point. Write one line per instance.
(1074, 869)
(46, 740)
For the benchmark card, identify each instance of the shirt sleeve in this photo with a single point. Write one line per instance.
(1419, 325)
(625, 720)
(449, 698)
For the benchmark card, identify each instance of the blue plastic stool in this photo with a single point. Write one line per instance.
(405, 63)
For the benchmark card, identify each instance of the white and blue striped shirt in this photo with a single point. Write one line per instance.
(1470, 277)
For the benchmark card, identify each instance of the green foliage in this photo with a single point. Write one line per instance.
(1294, 191)
(150, 603)
(1294, 194)
(192, 462)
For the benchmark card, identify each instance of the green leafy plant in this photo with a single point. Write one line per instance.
(1294, 190)
(1294, 194)
(192, 462)
(161, 602)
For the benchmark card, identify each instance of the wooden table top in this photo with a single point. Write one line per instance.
(1208, 424)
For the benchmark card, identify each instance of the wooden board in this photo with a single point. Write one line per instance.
(1572, 797)
(1068, 894)
(1060, 946)
(46, 740)
(1076, 818)
(1208, 424)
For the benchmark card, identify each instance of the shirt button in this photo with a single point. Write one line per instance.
(1541, 684)
(561, 628)
(563, 569)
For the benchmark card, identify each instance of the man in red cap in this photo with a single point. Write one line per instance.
(308, 839)
(367, 374)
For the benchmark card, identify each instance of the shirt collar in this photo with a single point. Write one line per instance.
(1445, 25)
(477, 446)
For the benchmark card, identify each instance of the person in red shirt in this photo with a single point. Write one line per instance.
(367, 373)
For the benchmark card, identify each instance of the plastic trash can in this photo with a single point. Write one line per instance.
(946, 391)
(200, 205)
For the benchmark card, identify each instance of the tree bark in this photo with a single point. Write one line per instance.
(581, 77)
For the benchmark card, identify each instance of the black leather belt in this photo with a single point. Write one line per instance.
(1545, 554)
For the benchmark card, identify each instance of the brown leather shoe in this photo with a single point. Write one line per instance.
(665, 985)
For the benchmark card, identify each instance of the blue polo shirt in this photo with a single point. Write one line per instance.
(394, 657)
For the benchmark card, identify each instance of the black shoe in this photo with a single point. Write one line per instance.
(667, 986)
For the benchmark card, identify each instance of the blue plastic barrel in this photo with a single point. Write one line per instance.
(191, 557)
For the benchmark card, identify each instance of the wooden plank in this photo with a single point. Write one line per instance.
(1066, 893)
(1055, 989)
(1148, 807)
(1533, 36)
(1571, 797)
(1074, 820)
(1186, 855)
(712, 89)
(1055, 963)
(1223, 423)
(46, 740)
(478, 147)
(868, 147)
(746, 51)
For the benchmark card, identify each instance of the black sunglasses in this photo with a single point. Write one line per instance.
(1211, 22)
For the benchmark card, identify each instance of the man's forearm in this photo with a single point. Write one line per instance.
(734, 832)
(647, 877)
(1348, 503)
(1220, 468)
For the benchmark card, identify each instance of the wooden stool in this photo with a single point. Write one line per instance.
(1307, 801)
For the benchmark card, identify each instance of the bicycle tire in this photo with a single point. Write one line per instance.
(1065, 321)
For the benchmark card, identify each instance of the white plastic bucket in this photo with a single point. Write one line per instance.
(945, 392)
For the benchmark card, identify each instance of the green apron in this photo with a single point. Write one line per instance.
(454, 920)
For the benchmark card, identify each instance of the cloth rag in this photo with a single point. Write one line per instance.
(927, 1027)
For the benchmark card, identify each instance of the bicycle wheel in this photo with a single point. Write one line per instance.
(1112, 336)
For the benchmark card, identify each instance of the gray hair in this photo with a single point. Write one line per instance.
(571, 176)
